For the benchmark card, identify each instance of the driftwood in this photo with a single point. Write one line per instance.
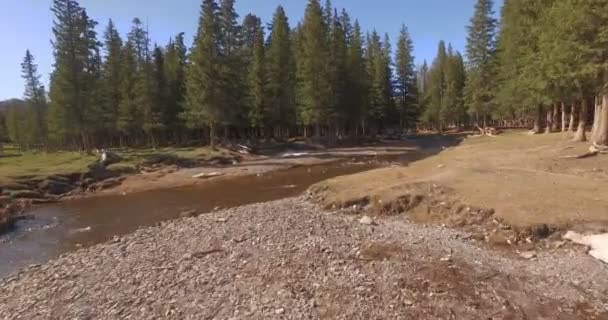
(488, 131)
(594, 150)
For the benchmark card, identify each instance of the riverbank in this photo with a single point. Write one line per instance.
(146, 170)
(289, 259)
(511, 190)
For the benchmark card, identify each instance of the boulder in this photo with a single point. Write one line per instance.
(55, 187)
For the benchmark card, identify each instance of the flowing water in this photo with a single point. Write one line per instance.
(67, 226)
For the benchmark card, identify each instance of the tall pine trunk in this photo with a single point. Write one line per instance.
(582, 122)
(596, 118)
(538, 120)
(572, 117)
(600, 136)
(564, 116)
(549, 121)
(555, 118)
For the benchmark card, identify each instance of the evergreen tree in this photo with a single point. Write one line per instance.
(406, 79)
(128, 117)
(381, 106)
(480, 55)
(280, 71)
(453, 110)
(337, 72)
(35, 97)
(313, 87)
(175, 76)
(435, 92)
(258, 114)
(204, 102)
(357, 85)
(111, 78)
(73, 80)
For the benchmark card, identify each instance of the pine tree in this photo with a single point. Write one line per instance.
(128, 117)
(175, 76)
(357, 84)
(203, 104)
(406, 79)
(258, 114)
(435, 92)
(72, 111)
(280, 71)
(480, 55)
(35, 97)
(453, 110)
(313, 83)
(111, 78)
(381, 106)
(338, 77)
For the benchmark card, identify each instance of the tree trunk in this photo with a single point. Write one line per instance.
(538, 120)
(600, 136)
(555, 119)
(564, 117)
(572, 115)
(549, 124)
(212, 136)
(582, 122)
(596, 118)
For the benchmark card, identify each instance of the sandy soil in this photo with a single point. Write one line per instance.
(510, 181)
(289, 260)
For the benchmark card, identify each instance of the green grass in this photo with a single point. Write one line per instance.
(15, 164)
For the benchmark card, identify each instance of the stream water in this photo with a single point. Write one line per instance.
(67, 226)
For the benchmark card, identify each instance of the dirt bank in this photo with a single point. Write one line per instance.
(288, 260)
(513, 188)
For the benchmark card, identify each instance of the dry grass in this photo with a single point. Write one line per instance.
(521, 177)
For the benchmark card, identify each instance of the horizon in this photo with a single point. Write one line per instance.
(165, 20)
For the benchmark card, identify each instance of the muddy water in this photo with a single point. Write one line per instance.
(65, 227)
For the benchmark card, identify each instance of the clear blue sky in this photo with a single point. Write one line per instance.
(26, 24)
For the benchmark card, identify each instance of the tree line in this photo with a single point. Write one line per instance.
(541, 64)
(239, 80)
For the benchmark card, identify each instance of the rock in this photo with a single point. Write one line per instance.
(13, 186)
(108, 158)
(55, 187)
(25, 194)
(540, 231)
(366, 220)
(528, 254)
(205, 175)
(106, 184)
(98, 172)
(279, 311)
(188, 214)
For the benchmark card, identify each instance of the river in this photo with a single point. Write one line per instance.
(71, 225)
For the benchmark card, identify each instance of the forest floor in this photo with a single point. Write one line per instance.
(514, 180)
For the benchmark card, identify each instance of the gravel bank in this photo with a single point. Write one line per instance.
(287, 260)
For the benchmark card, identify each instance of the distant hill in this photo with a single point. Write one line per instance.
(5, 104)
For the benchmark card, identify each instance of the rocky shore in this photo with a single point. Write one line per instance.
(290, 260)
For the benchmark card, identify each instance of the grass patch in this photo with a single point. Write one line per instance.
(16, 164)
